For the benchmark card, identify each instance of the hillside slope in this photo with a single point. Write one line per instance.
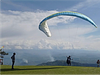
(49, 70)
(63, 63)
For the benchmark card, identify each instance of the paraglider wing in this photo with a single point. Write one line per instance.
(2, 47)
(44, 27)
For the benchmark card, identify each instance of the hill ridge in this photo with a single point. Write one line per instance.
(63, 63)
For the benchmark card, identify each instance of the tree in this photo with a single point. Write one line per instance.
(2, 53)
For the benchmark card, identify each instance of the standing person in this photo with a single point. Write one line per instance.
(98, 62)
(13, 60)
(69, 60)
(1, 61)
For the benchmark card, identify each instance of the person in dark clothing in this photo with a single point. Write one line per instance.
(69, 61)
(13, 60)
(98, 62)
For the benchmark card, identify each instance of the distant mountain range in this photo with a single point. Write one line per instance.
(52, 57)
(63, 63)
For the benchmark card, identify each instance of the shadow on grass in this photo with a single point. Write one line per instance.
(16, 69)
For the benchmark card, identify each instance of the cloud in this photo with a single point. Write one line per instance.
(18, 24)
(13, 5)
(84, 5)
(20, 31)
(51, 57)
(25, 60)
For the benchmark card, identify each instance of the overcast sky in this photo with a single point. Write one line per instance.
(20, 20)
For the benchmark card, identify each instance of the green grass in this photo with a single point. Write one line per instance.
(49, 70)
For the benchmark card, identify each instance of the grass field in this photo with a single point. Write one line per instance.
(5, 69)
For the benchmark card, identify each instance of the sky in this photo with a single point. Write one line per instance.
(20, 20)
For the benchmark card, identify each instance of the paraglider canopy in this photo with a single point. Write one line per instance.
(44, 27)
(2, 47)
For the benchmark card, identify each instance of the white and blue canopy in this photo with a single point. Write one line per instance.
(44, 27)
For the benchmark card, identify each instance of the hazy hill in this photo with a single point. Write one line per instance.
(63, 63)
